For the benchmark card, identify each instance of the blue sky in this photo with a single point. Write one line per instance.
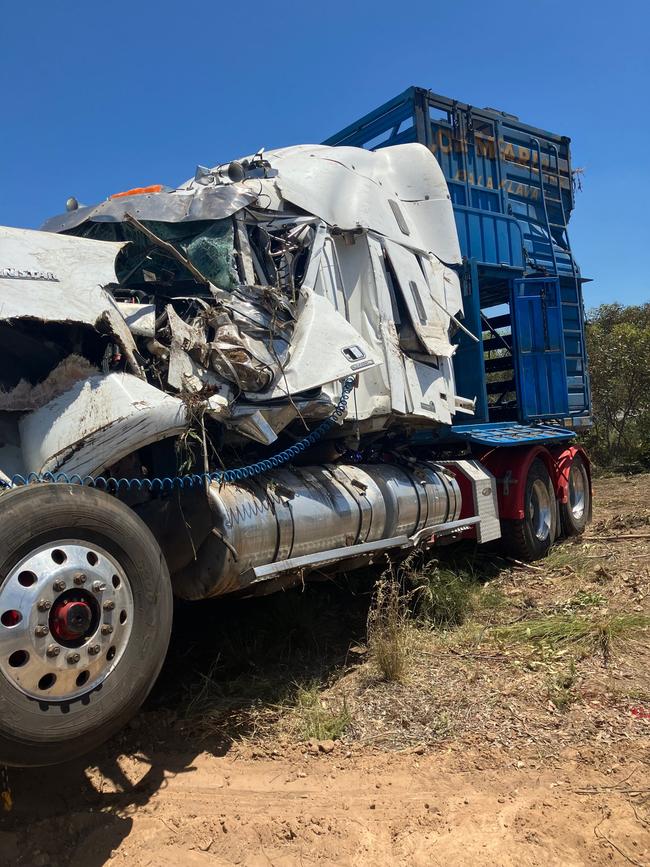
(100, 97)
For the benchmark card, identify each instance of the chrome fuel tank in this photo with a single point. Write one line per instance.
(300, 511)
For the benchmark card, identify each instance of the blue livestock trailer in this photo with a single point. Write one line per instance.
(513, 191)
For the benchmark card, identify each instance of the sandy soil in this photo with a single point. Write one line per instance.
(508, 779)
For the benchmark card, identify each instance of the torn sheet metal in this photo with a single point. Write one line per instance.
(96, 423)
(429, 385)
(168, 206)
(254, 426)
(431, 327)
(348, 280)
(325, 347)
(399, 192)
(444, 287)
(25, 397)
(56, 278)
(263, 423)
(141, 318)
(242, 305)
(243, 360)
(188, 369)
(187, 376)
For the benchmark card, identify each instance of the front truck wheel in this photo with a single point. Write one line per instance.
(532, 537)
(85, 619)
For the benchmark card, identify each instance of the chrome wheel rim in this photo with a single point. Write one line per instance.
(577, 492)
(539, 510)
(66, 614)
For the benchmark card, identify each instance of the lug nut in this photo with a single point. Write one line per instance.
(107, 629)
(73, 657)
(94, 649)
(58, 586)
(98, 587)
(53, 650)
(109, 605)
(44, 605)
(80, 578)
(41, 630)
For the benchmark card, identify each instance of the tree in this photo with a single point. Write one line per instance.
(618, 343)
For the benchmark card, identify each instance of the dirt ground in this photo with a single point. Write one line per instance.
(272, 739)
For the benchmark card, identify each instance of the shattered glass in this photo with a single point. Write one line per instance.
(212, 252)
(208, 245)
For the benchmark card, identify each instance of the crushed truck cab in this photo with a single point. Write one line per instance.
(289, 363)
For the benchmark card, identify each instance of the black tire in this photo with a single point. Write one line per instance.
(531, 538)
(575, 513)
(43, 732)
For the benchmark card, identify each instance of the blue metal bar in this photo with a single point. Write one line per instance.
(564, 219)
(354, 128)
(535, 141)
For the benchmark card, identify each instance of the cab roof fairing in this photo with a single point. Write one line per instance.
(398, 192)
(183, 205)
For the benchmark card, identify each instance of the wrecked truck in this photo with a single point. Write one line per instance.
(296, 362)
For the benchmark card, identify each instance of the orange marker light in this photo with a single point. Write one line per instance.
(137, 191)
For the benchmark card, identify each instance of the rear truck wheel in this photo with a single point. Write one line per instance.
(85, 619)
(532, 537)
(574, 514)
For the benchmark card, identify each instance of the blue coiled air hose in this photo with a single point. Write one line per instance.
(168, 483)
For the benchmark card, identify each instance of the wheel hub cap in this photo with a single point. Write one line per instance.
(540, 510)
(71, 619)
(577, 489)
(66, 613)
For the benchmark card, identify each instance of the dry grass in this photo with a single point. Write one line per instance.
(389, 630)
(561, 687)
(585, 635)
(579, 558)
(216, 709)
(443, 597)
(586, 599)
(318, 719)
